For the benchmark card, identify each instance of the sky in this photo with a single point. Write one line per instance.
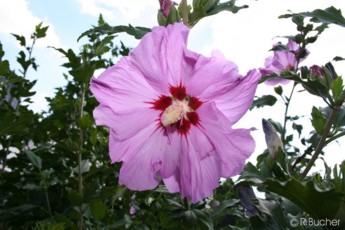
(245, 38)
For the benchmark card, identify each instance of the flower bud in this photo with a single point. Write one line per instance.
(165, 7)
(272, 138)
(247, 196)
(317, 71)
(167, 14)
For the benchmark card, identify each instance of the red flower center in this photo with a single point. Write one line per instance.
(178, 111)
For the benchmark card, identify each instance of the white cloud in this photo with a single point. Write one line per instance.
(16, 18)
(123, 12)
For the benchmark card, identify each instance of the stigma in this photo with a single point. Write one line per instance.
(175, 112)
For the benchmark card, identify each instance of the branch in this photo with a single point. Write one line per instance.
(322, 142)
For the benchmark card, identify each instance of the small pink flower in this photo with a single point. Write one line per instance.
(170, 112)
(281, 60)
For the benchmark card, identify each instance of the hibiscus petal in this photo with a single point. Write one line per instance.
(146, 157)
(120, 122)
(211, 76)
(159, 56)
(239, 97)
(121, 87)
(233, 146)
(198, 170)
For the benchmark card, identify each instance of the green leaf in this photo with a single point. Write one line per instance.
(330, 15)
(337, 89)
(98, 210)
(21, 39)
(40, 32)
(316, 88)
(93, 136)
(338, 58)
(34, 159)
(4, 67)
(275, 219)
(225, 6)
(318, 121)
(265, 100)
(318, 203)
(278, 90)
(138, 32)
(223, 206)
(298, 128)
(251, 174)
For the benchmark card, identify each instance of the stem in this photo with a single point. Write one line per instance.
(186, 203)
(184, 8)
(30, 55)
(287, 104)
(322, 142)
(48, 203)
(81, 141)
(335, 137)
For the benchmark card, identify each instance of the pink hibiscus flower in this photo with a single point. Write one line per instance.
(281, 60)
(170, 112)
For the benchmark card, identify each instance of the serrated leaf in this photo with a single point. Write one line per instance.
(40, 32)
(318, 121)
(21, 39)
